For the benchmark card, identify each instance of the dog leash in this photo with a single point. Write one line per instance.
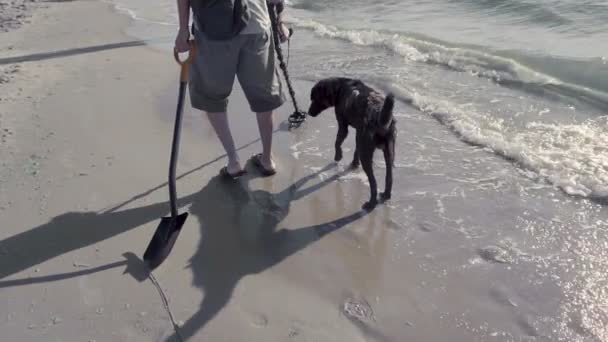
(297, 117)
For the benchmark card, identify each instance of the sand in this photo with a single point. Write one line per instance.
(15, 13)
(86, 118)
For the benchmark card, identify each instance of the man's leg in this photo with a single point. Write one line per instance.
(211, 80)
(219, 122)
(266, 127)
(262, 86)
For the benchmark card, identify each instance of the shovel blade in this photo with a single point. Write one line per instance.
(163, 240)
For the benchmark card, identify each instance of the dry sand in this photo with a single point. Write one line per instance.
(14, 13)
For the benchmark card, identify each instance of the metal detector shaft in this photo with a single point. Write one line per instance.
(298, 116)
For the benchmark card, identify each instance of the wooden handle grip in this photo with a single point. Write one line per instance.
(185, 65)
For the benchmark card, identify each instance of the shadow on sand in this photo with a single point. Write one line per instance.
(69, 232)
(240, 238)
(71, 52)
(75, 230)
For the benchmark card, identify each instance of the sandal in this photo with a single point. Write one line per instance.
(257, 162)
(224, 173)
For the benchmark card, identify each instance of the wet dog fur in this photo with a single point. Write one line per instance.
(371, 114)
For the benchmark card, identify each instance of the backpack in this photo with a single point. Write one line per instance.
(220, 19)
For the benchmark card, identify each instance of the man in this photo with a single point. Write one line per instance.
(250, 56)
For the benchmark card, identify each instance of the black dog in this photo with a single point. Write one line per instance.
(371, 114)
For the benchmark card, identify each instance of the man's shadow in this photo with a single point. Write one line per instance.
(240, 237)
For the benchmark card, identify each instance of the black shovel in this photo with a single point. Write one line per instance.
(164, 238)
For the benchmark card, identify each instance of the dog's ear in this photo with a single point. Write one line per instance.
(328, 94)
(330, 91)
(320, 91)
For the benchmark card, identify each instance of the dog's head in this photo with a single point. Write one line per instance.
(323, 95)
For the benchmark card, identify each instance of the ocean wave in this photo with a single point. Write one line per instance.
(573, 157)
(506, 71)
(531, 12)
(567, 16)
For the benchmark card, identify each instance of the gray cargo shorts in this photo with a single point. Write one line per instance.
(248, 56)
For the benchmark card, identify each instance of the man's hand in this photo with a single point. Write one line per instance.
(283, 33)
(181, 41)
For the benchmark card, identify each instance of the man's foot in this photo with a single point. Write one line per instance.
(266, 167)
(234, 175)
(233, 169)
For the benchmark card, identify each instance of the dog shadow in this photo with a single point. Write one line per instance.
(239, 237)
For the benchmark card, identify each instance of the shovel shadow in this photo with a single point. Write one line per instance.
(75, 230)
(69, 232)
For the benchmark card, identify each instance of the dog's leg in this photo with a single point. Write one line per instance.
(356, 160)
(342, 134)
(366, 153)
(389, 160)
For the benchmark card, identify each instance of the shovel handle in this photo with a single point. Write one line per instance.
(185, 65)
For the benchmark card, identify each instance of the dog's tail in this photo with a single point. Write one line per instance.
(386, 115)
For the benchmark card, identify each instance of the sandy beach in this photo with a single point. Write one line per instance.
(86, 117)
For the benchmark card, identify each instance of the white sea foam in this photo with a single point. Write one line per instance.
(573, 157)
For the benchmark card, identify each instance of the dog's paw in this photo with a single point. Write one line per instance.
(354, 165)
(338, 156)
(368, 206)
(385, 196)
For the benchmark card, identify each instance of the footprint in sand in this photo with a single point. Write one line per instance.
(358, 309)
(259, 320)
(293, 333)
(501, 296)
(526, 324)
(427, 226)
(497, 254)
